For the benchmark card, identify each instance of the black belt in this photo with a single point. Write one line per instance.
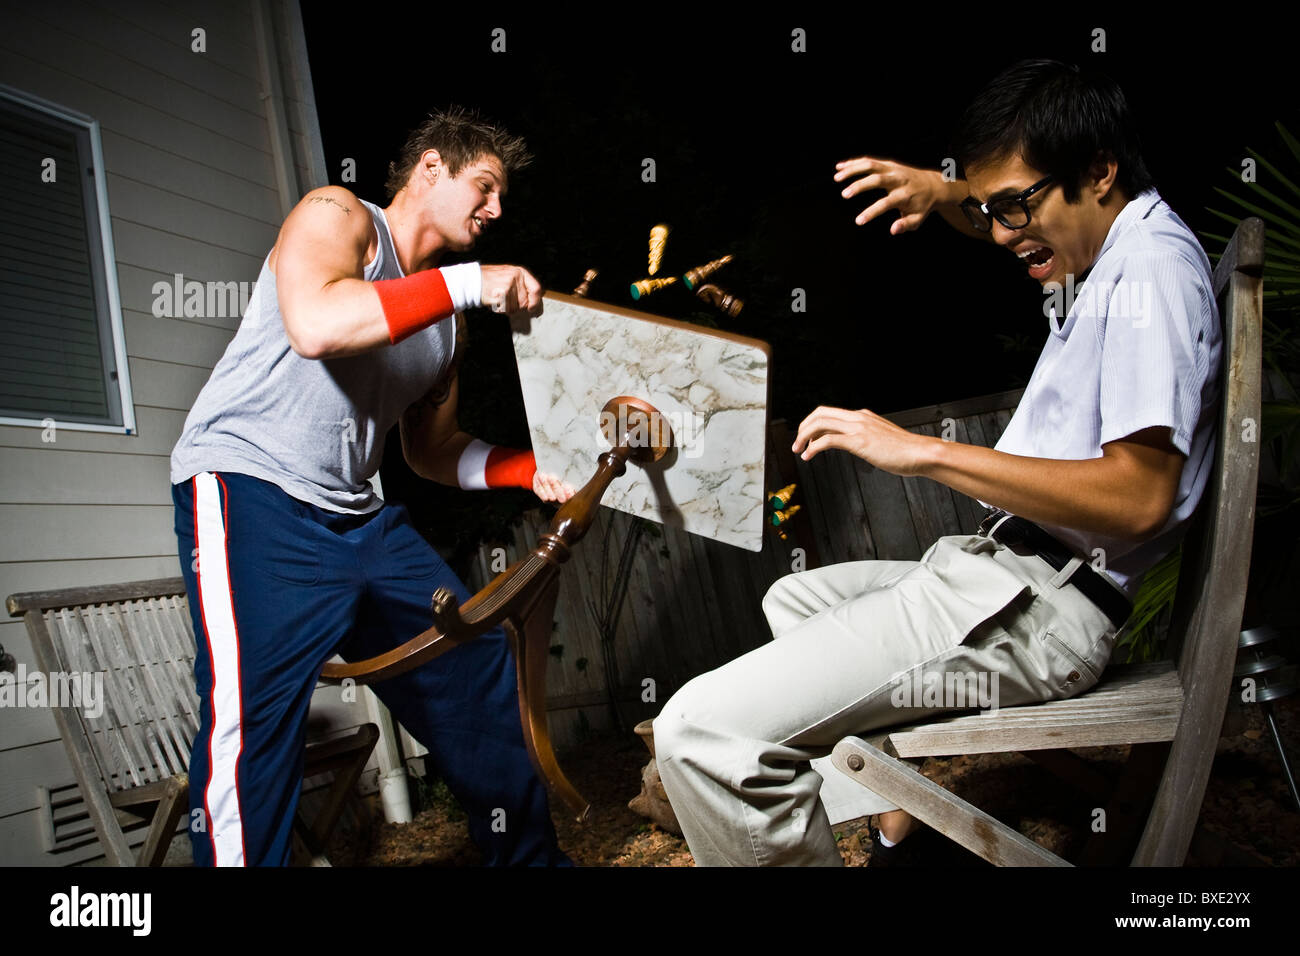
(1012, 531)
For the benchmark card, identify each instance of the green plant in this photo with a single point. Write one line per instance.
(1143, 637)
(432, 792)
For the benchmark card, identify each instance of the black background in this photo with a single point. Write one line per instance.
(745, 134)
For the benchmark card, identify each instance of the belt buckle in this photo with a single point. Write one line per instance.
(990, 521)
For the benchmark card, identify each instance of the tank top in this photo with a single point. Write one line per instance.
(314, 427)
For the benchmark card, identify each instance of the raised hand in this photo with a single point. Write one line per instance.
(914, 192)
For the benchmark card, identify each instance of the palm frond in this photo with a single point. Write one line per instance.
(1265, 214)
(1276, 174)
(1141, 637)
(1291, 142)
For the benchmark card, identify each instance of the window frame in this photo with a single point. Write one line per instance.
(106, 270)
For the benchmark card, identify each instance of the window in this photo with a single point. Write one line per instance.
(62, 351)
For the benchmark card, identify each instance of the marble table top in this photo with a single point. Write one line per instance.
(711, 387)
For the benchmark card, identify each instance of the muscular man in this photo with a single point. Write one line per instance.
(290, 557)
(1107, 454)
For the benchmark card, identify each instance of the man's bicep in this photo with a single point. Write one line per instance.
(324, 239)
(1152, 471)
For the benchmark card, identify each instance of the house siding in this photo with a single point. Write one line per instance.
(191, 182)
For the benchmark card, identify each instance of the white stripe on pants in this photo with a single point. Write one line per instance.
(733, 746)
(220, 796)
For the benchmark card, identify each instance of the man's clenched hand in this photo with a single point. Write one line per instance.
(511, 290)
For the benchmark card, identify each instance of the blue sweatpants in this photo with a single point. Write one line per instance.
(278, 586)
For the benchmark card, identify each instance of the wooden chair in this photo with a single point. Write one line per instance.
(132, 760)
(1170, 712)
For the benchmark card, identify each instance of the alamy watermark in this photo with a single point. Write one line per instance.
(129, 910)
(191, 299)
(952, 690)
(25, 688)
(1132, 299)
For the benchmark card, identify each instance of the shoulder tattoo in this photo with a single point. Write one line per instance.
(332, 202)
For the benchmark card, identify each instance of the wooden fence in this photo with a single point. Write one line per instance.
(692, 604)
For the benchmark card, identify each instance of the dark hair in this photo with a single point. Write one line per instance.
(1058, 119)
(460, 136)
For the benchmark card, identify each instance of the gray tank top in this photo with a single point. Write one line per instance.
(314, 427)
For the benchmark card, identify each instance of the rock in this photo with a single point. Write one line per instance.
(652, 801)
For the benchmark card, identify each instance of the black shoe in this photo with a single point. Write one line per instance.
(909, 851)
(924, 846)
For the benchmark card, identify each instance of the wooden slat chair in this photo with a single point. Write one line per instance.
(1169, 712)
(132, 760)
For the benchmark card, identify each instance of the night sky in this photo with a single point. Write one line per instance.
(745, 134)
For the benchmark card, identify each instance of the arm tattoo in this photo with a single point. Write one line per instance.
(334, 202)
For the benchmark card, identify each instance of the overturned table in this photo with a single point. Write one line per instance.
(686, 406)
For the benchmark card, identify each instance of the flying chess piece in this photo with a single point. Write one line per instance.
(781, 517)
(779, 499)
(720, 299)
(658, 237)
(700, 273)
(647, 286)
(585, 285)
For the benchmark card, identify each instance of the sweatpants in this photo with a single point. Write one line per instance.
(276, 587)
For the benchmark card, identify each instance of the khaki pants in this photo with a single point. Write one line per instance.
(860, 646)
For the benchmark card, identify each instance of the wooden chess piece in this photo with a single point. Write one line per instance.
(781, 517)
(585, 285)
(697, 275)
(647, 286)
(779, 499)
(658, 237)
(720, 299)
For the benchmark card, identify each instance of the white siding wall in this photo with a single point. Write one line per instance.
(192, 189)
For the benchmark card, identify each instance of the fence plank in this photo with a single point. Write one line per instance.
(969, 512)
(673, 626)
(894, 531)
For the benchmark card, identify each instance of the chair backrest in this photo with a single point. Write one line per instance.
(136, 641)
(1207, 612)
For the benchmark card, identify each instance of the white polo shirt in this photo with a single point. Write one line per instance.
(1140, 347)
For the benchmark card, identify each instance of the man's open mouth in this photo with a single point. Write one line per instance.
(1038, 259)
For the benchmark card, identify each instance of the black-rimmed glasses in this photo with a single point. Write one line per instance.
(1012, 212)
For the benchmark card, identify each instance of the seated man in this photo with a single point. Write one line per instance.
(288, 554)
(1108, 452)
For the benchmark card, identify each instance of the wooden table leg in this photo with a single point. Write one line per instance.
(531, 643)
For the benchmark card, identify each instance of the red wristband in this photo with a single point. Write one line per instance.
(414, 302)
(510, 468)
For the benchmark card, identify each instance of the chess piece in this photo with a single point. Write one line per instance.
(779, 499)
(720, 299)
(658, 236)
(781, 517)
(585, 285)
(646, 286)
(700, 273)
